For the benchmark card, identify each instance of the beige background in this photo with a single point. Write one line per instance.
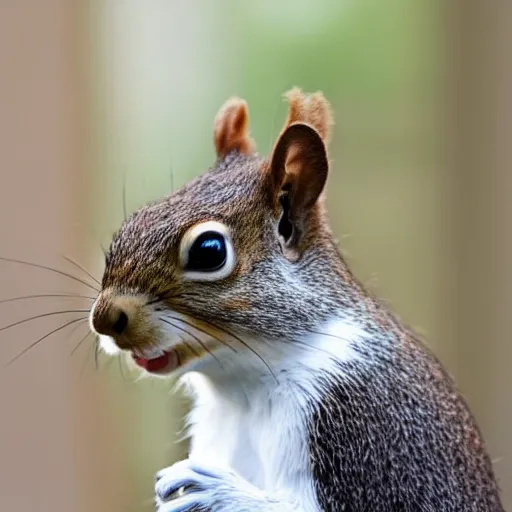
(69, 443)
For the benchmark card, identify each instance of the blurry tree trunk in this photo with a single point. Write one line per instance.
(481, 153)
(55, 454)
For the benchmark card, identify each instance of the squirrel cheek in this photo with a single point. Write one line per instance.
(237, 304)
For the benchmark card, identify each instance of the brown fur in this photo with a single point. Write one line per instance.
(231, 129)
(298, 169)
(312, 109)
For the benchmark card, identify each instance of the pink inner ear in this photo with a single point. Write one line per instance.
(294, 162)
(299, 159)
(231, 128)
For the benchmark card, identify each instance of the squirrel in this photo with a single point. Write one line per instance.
(308, 393)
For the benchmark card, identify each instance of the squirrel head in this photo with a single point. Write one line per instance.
(243, 250)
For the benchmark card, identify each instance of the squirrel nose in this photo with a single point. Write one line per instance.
(121, 322)
(110, 321)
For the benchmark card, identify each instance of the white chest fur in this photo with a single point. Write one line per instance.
(264, 441)
(258, 426)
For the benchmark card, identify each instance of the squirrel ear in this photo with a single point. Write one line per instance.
(312, 109)
(231, 128)
(298, 172)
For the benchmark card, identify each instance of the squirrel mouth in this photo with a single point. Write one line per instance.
(165, 363)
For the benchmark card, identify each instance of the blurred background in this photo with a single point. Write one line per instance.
(108, 104)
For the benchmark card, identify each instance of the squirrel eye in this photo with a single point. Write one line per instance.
(207, 253)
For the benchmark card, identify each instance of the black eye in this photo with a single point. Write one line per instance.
(208, 252)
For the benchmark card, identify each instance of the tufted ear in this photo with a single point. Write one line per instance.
(299, 166)
(231, 128)
(298, 172)
(312, 109)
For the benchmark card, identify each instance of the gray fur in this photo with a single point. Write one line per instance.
(391, 433)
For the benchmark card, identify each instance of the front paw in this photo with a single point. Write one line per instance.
(204, 489)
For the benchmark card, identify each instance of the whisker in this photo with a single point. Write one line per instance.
(43, 315)
(191, 347)
(84, 366)
(245, 344)
(75, 328)
(124, 197)
(50, 269)
(47, 295)
(161, 298)
(97, 353)
(190, 324)
(42, 338)
(195, 338)
(171, 168)
(154, 301)
(272, 136)
(80, 342)
(82, 268)
(327, 334)
(121, 370)
(308, 346)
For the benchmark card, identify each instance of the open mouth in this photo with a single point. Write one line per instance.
(165, 363)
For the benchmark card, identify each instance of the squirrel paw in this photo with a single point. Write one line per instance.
(190, 486)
